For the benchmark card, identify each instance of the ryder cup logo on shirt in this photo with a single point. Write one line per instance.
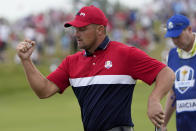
(184, 79)
(170, 25)
(108, 64)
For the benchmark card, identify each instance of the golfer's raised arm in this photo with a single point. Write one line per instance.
(40, 85)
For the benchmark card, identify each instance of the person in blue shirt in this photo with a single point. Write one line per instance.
(182, 60)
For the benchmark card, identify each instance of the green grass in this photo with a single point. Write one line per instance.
(21, 110)
(24, 112)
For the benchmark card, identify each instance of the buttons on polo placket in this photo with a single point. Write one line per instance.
(94, 56)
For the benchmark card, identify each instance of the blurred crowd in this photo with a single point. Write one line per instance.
(141, 27)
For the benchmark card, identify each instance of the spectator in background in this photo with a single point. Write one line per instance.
(50, 43)
(4, 36)
(65, 41)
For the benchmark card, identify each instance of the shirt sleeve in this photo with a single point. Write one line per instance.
(143, 67)
(60, 76)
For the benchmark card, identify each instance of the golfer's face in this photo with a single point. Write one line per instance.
(86, 36)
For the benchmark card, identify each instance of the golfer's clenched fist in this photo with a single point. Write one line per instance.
(25, 49)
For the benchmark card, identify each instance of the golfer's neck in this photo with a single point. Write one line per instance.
(96, 44)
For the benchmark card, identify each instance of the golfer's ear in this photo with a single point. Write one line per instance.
(100, 29)
(189, 29)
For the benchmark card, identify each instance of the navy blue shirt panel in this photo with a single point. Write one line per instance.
(108, 108)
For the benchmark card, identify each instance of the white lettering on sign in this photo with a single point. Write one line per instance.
(186, 105)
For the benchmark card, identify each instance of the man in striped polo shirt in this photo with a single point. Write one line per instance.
(102, 76)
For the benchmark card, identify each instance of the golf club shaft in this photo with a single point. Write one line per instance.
(157, 129)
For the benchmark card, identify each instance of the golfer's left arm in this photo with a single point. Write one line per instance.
(163, 83)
